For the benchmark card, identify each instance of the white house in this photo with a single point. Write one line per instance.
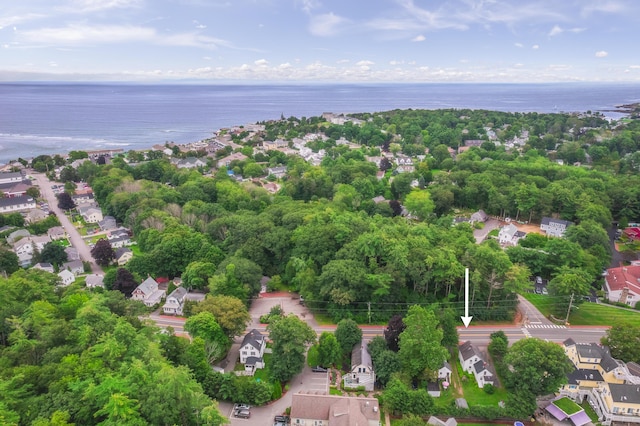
(175, 301)
(11, 177)
(39, 241)
(506, 233)
(554, 227)
(90, 214)
(76, 267)
(17, 204)
(252, 350)
(444, 373)
(44, 267)
(123, 255)
(148, 292)
(472, 361)
(66, 277)
(361, 373)
(622, 285)
(94, 280)
(57, 233)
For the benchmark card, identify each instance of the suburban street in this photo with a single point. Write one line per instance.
(74, 236)
(308, 381)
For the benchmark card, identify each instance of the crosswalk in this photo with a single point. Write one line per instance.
(544, 326)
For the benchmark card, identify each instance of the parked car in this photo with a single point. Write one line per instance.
(538, 280)
(538, 290)
(281, 419)
(319, 369)
(544, 290)
(242, 414)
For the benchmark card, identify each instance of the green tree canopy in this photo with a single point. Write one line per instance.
(290, 336)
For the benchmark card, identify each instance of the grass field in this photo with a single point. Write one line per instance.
(568, 406)
(587, 313)
(476, 396)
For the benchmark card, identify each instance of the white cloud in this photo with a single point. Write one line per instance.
(261, 62)
(326, 25)
(10, 21)
(199, 25)
(419, 38)
(634, 67)
(308, 5)
(602, 54)
(364, 63)
(285, 66)
(520, 45)
(395, 63)
(555, 31)
(343, 61)
(107, 34)
(535, 47)
(96, 5)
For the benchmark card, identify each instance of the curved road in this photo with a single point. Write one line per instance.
(75, 238)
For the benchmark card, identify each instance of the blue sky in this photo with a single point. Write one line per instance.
(321, 40)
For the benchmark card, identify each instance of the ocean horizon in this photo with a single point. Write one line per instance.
(56, 117)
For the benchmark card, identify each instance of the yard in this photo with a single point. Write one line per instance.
(475, 395)
(568, 406)
(587, 313)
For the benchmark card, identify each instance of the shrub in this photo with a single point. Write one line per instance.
(489, 389)
(276, 393)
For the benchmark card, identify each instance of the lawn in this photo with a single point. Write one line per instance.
(262, 374)
(587, 313)
(476, 396)
(590, 412)
(568, 406)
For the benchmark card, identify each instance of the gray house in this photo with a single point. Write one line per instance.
(361, 373)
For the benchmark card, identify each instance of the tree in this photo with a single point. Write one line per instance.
(65, 202)
(568, 282)
(386, 364)
(419, 203)
(329, 352)
(102, 252)
(348, 335)
(395, 326)
(290, 336)
(421, 343)
(54, 254)
(197, 274)
(536, 367)
(230, 312)
(205, 326)
(124, 282)
(498, 345)
(624, 342)
(9, 262)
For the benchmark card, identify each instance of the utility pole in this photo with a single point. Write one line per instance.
(566, 320)
(369, 311)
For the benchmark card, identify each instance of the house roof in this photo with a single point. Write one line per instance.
(252, 360)
(446, 365)
(338, 410)
(253, 338)
(580, 374)
(550, 220)
(629, 394)
(121, 251)
(56, 230)
(94, 280)
(468, 350)
(479, 215)
(360, 355)
(633, 368)
(479, 366)
(433, 386)
(73, 264)
(14, 201)
(148, 286)
(624, 277)
(43, 265)
(569, 342)
(591, 350)
(64, 274)
(10, 175)
(509, 230)
(178, 293)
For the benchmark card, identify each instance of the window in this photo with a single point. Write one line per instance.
(244, 352)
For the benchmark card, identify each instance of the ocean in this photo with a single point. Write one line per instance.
(48, 118)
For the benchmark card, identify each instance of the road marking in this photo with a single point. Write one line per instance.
(525, 332)
(544, 326)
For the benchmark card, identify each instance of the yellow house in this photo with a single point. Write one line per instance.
(610, 386)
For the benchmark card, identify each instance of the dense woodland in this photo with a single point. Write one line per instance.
(321, 235)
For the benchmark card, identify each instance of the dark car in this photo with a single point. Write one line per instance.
(318, 369)
(281, 419)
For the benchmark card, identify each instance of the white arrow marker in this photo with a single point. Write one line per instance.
(466, 319)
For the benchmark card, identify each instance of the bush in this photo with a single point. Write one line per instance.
(277, 391)
(489, 389)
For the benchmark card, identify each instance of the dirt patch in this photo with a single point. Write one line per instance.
(529, 228)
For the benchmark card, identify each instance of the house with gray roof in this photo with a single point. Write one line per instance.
(11, 177)
(361, 373)
(76, 267)
(554, 227)
(72, 253)
(90, 214)
(175, 301)
(16, 235)
(252, 350)
(36, 215)
(17, 204)
(43, 266)
(94, 280)
(333, 410)
(148, 292)
(472, 361)
(57, 233)
(123, 255)
(107, 223)
(66, 277)
(479, 216)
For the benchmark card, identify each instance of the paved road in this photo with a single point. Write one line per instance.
(74, 236)
(489, 225)
(530, 314)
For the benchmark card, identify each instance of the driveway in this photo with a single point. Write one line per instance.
(481, 234)
(75, 238)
